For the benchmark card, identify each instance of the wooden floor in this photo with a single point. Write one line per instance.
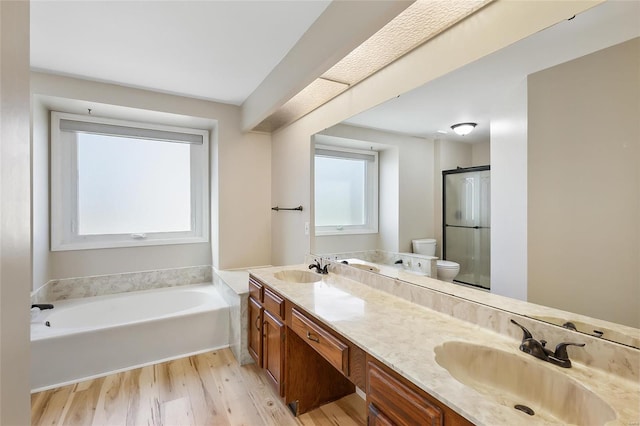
(207, 389)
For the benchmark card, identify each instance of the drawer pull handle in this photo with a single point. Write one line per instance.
(312, 337)
(256, 323)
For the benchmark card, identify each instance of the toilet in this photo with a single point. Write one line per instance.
(447, 270)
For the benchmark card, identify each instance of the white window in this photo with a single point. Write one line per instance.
(117, 183)
(346, 191)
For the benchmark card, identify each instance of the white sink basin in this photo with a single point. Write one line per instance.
(297, 276)
(511, 379)
(365, 267)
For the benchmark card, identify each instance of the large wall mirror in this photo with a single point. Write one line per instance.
(558, 121)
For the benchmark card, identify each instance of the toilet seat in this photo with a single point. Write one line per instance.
(446, 264)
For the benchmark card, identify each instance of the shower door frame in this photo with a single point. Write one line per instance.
(444, 209)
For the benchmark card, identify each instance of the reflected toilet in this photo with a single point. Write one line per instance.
(447, 270)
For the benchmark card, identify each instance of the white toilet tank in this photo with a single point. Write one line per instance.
(426, 246)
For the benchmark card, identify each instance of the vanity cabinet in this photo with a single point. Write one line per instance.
(306, 364)
(310, 364)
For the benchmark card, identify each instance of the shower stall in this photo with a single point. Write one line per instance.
(466, 233)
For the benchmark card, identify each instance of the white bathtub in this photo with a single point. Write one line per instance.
(95, 336)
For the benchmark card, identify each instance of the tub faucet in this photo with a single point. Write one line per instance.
(538, 349)
(42, 306)
(318, 267)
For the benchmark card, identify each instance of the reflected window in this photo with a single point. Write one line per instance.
(346, 191)
(336, 305)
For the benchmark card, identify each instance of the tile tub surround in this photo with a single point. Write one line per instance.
(100, 285)
(399, 330)
(234, 288)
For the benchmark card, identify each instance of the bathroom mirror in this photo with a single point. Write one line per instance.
(558, 125)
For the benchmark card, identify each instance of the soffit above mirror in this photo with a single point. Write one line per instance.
(417, 24)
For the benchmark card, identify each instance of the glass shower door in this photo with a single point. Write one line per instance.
(467, 223)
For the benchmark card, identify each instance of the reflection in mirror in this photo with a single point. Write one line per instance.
(557, 118)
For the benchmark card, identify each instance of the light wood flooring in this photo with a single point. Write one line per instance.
(201, 390)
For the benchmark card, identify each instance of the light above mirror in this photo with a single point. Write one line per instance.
(463, 129)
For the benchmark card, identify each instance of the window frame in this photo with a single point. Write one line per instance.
(64, 189)
(371, 192)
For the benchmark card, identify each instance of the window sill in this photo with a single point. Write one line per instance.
(92, 245)
(346, 232)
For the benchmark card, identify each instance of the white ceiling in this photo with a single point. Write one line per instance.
(224, 50)
(216, 50)
(469, 93)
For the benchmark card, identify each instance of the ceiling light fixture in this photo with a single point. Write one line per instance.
(463, 128)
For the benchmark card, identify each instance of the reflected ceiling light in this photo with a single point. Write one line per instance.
(463, 128)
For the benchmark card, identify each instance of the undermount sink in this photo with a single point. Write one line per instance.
(523, 384)
(297, 276)
(365, 267)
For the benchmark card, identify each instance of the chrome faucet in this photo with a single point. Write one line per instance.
(536, 348)
(318, 267)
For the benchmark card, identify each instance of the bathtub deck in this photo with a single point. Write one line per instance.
(205, 389)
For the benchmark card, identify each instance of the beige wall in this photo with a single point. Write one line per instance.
(494, 27)
(584, 185)
(509, 194)
(481, 154)
(41, 261)
(15, 231)
(240, 170)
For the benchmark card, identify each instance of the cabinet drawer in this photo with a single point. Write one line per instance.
(255, 290)
(273, 303)
(400, 404)
(332, 349)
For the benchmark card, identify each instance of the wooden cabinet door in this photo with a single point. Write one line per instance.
(273, 332)
(255, 331)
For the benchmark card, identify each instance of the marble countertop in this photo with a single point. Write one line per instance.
(238, 280)
(612, 331)
(404, 335)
